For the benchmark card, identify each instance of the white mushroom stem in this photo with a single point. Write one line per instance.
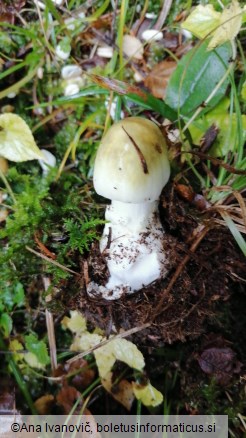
(48, 163)
(132, 243)
(129, 217)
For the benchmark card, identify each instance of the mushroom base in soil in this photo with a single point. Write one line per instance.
(131, 168)
(134, 254)
(198, 296)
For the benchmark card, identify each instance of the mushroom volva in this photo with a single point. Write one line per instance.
(131, 168)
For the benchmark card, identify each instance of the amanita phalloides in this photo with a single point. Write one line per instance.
(131, 168)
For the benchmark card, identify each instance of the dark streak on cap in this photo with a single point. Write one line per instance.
(139, 152)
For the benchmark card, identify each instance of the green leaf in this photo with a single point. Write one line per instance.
(227, 139)
(235, 232)
(38, 348)
(53, 10)
(196, 76)
(65, 45)
(12, 294)
(16, 140)
(18, 295)
(6, 324)
(243, 92)
(12, 69)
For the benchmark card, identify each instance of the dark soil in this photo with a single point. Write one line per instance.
(206, 266)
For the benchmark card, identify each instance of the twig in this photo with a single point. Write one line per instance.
(217, 162)
(53, 262)
(86, 273)
(101, 344)
(163, 14)
(51, 339)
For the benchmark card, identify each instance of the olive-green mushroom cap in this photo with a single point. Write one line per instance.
(131, 163)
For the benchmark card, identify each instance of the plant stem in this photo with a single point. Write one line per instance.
(15, 87)
(10, 191)
(163, 15)
(124, 7)
(74, 143)
(19, 378)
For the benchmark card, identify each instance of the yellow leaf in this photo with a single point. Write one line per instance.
(32, 360)
(85, 341)
(115, 349)
(16, 140)
(16, 346)
(77, 323)
(202, 21)
(230, 24)
(118, 349)
(147, 394)
(105, 359)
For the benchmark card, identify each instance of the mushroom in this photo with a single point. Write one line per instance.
(131, 168)
(48, 162)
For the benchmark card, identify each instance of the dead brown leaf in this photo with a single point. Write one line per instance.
(188, 194)
(157, 79)
(67, 397)
(117, 86)
(122, 391)
(209, 138)
(220, 363)
(171, 40)
(77, 373)
(44, 404)
(83, 376)
(42, 247)
(8, 12)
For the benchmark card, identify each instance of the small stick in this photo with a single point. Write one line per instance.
(51, 339)
(119, 336)
(53, 262)
(86, 273)
(163, 14)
